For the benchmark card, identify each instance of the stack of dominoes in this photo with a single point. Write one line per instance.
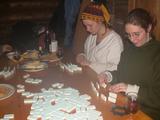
(105, 96)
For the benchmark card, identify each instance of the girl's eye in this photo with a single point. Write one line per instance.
(134, 34)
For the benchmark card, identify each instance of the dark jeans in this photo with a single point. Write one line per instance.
(71, 13)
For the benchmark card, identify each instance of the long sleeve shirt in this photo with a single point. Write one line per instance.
(105, 55)
(141, 66)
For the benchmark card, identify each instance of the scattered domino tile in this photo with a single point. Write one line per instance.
(57, 85)
(33, 80)
(111, 97)
(8, 117)
(20, 86)
(70, 67)
(114, 95)
(20, 90)
(7, 72)
(26, 76)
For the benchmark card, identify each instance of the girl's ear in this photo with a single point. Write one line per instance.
(149, 28)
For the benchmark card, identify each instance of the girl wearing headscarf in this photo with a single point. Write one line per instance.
(103, 46)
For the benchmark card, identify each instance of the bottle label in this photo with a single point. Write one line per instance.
(53, 46)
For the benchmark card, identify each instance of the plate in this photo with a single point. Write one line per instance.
(6, 91)
(33, 70)
(34, 66)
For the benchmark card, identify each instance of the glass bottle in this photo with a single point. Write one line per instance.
(47, 40)
(132, 106)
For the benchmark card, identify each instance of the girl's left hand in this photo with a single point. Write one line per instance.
(119, 87)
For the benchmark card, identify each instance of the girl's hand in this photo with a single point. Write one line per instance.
(119, 87)
(81, 59)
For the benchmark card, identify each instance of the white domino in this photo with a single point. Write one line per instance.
(113, 95)
(20, 90)
(8, 116)
(111, 99)
(20, 86)
(26, 76)
(29, 101)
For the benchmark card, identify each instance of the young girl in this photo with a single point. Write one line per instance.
(139, 67)
(103, 47)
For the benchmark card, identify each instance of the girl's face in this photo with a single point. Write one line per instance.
(91, 26)
(137, 35)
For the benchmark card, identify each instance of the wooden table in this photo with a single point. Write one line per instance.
(53, 74)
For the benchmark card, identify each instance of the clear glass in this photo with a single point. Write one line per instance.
(17, 55)
(132, 105)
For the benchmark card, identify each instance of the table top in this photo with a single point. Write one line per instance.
(53, 74)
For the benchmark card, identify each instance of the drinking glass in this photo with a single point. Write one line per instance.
(17, 56)
(132, 105)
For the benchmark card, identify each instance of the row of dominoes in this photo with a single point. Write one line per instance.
(70, 67)
(57, 85)
(112, 97)
(33, 80)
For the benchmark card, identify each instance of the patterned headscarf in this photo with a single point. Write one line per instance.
(96, 13)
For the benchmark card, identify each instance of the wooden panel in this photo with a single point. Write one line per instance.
(120, 9)
(22, 10)
(12, 11)
(80, 32)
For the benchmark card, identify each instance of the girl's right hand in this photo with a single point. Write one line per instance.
(81, 59)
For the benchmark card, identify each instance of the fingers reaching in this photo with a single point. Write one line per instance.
(120, 87)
